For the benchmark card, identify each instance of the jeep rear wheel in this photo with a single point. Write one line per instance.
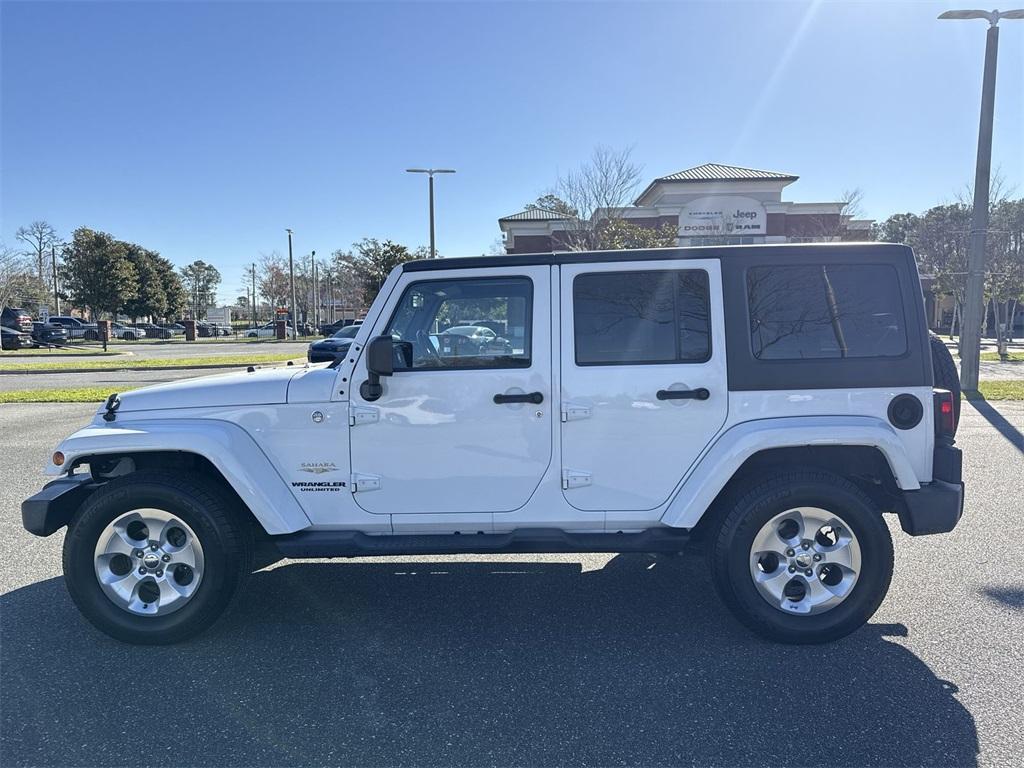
(803, 558)
(152, 558)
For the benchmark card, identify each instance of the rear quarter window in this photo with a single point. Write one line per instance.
(819, 311)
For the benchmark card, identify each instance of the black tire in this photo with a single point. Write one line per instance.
(944, 373)
(225, 536)
(129, 336)
(91, 336)
(729, 555)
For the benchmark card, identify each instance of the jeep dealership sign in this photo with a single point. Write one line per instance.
(723, 215)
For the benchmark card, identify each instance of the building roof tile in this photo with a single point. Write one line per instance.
(719, 172)
(535, 214)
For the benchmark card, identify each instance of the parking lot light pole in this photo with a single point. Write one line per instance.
(53, 264)
(252, 308)
(974, 300)
(291, 279)
(430, 174)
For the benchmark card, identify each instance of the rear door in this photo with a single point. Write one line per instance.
(643, 378)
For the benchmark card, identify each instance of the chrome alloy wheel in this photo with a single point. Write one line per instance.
(149, 562)
(805, 560)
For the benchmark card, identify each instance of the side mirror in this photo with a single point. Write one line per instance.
(380, 361)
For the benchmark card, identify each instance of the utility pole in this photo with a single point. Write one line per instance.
(974, 299)
(56, 293)
(291, 279)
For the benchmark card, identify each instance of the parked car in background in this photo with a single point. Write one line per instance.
(126, 332)
(329, 329)
(15, 318)
(76, 327)
(267, 331)
(469, 340)
(11, 338)
(206, 330)
(44, 334)
(154, 331)
(176, 329)
(326, 350)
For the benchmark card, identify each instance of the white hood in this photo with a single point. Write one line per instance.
(266, 386)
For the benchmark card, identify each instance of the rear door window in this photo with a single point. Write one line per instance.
(825, 311)
(649, 317)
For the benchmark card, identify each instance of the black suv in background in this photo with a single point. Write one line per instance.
(48, 333)
(154, 331)
(17, 319)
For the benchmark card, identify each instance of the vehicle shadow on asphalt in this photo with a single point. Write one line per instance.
(1001, 424)
(469, 663)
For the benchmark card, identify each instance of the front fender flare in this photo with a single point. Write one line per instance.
(227, 446)
(737, 444)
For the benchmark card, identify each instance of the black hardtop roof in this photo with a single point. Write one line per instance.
(788, 252)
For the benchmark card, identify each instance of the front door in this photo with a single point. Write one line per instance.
(465, 425)
(643, 378)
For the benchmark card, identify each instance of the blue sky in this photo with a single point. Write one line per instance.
(202, 130)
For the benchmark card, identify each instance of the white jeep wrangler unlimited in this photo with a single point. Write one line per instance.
(767, 402)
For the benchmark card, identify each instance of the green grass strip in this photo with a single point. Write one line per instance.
(998, 390)
(65, 395)
(993, 357)
(131, 363)
(68, 351)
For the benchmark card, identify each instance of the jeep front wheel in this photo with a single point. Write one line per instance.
(803, 558)
(153, 558)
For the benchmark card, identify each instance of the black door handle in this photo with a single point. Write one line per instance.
(683, 394)
(531, 397)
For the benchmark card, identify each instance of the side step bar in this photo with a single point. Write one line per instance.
(525, 541)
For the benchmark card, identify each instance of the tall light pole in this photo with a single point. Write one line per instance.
(316, 304)
(291, 279)
(53, 264)
(255, 301)
(974, 300)
(430, 173)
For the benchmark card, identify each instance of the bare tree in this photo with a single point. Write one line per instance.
(595, 193)
(40, 236)
(831, 227)
(12, 273)
(272, 279)
(999, 191)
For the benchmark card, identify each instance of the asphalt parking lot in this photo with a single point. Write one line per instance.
(526, 660)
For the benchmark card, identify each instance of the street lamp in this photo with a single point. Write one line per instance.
(430, 173)
(291, 279)
(974, 300)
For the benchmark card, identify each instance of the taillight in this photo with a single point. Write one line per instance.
(945, 418)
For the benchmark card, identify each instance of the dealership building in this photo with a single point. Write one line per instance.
(711, 204)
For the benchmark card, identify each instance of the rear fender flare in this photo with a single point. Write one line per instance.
(737, 444)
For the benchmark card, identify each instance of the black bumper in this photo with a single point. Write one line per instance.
(52, 508)
(937, 506)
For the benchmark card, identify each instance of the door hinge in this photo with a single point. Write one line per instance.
(362, 414)
(574, 412)
(360, 483)
(573, 478)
